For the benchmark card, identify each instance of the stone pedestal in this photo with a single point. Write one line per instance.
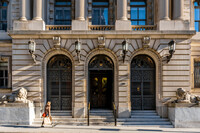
(123, 25)
(184, 115)
(79, 25)
(124, 112)
(29, 25)
(174, 25)
(17, 113)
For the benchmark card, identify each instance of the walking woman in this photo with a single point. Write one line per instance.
(47, 113)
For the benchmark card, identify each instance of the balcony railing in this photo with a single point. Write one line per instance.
(58, 27)
(101, 27)
(143, 27)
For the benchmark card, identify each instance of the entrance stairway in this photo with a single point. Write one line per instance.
(62, 118)
(105, 118)
(144, 118)
(101, 117)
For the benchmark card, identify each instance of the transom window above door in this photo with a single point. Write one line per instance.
(100, 12)
(62, 15)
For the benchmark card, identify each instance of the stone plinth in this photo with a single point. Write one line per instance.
(29, 25)
(79, 25)
(123, 25)
(184, 115)
(174, 25)
(17, 113)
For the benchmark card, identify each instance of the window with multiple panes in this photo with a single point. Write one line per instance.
(196, 73)
(138, 12)
(3, 15)
(100, 12)
(4, 74)
(62, 10)
(197, 15)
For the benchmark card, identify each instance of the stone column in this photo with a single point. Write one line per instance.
(178, 9)
(164, 9)
(23, 10)
(80, 10)
(122, 9)
(37, 10)
(80, 23)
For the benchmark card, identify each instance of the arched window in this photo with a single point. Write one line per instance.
(62, 15)
(197, 14)
(100, 12)
(3, 14)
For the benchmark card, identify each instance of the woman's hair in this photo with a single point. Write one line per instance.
(48, 103)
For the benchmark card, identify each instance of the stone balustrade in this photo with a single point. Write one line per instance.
(101, 27)
(143, 27)
(58, 27)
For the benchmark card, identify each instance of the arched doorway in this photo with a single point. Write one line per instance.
(142, 83)
(59, 82)
(101, 82)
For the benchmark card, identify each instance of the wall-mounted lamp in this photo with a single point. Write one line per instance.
(172, 48)
(78, 49)
(31, 47)
(125, 45)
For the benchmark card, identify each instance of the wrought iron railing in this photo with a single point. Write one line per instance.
(143, 27)
(58, 27)
(115, 113)
(101, 27)
(88, 112)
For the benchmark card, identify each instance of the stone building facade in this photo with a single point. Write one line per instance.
(103, 71)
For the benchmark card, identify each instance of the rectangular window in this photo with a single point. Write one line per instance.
(62, 12)
(3, 74)
(197, 15)
(196, 74)
(3, 16)
(100, 12)
(138, 12)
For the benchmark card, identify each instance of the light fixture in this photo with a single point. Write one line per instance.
(172, 48)
(31, 47)
(124, 49)
(78, 49)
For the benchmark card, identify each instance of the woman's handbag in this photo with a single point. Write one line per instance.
(44, 115)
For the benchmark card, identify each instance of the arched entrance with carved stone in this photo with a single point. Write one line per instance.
(59, 82)
(101, 70)
(143, 88)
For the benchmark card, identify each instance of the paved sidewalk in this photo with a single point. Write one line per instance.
(94, 129)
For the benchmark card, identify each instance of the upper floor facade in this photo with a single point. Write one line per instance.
(118, 15)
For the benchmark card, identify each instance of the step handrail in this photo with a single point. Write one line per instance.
(115, 113)
(88, 112)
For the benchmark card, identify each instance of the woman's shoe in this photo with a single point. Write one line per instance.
(42, 126)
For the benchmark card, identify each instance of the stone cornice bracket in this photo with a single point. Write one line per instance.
(56, 42)
(101, 42)
(146, 41)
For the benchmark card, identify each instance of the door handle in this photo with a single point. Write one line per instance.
(138, 88)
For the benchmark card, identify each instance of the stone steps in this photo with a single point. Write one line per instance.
(144, 118)
(106, 118)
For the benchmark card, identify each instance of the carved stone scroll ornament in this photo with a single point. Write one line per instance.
(56, 42)
(101, 42)
(146, 41)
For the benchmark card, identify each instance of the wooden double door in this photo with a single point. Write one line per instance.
(101, 95)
